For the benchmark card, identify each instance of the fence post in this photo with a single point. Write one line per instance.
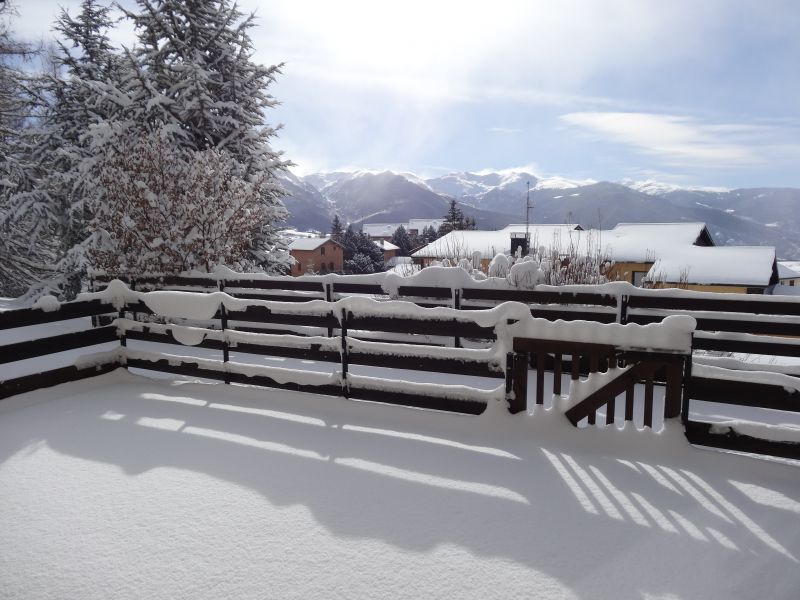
(123, 339)
(623, 309)
(345, 390)
(687, 388)
(457, 306)
(518, 363)
(329, 298)
(135, 314)
(223, 321)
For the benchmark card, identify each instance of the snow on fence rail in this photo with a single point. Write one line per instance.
(508, 339)
(498, 326)
(725, 322)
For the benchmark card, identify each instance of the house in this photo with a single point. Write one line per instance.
(384, 231)
(388, 248)
(634, 247)
(380, 231)
(789, 273)
(482, 246)
(316, 255)
(732, 269)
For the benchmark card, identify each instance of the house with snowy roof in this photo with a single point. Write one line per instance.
(732, 269)
(482, 246)
(388, 248)
(316, 255)
(386, 230)
(789, 272)
(634, 247)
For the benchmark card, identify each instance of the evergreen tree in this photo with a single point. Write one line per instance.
(403, 241)
(56, 149)
(455, 220)
(22, 261)
(336, 228)
(192, 77)
(361, 254)
(429, 235)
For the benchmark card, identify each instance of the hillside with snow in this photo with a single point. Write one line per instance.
(758, 216)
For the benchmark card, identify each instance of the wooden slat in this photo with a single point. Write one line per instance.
(449, 328)
(648, 399)
(22, 317)
(630, 396)
(575, 365)
(358, 288)
(559, 346)
(430, 364)
(538, 297)
(455, 405)
(611, 408)
(360, 393)
(673, 392)
(573, 315)
(57, 343)
(557, 374)
(744, 393)
(273, 297)
(791, 308)
(520, 387)
(700, 435)
(540, 378)
(747, 346)
(45, 379)
(608, 391)
(283, 284)
(424, 291)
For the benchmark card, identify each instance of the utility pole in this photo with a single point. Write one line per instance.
(528, 208)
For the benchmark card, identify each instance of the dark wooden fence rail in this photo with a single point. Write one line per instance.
(731, 313)
(746, 322)
(43, 346)
(705, 386)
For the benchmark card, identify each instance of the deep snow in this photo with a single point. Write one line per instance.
(121, 486)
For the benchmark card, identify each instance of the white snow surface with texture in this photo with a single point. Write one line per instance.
(124, 487)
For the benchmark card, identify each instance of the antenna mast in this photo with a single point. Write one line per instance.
(527, 218)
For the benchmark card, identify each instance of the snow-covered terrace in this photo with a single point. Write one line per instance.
(126, 486)
(121, 486)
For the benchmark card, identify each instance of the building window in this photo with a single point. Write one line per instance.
(322, 251)
(637, 277)
(330, 267)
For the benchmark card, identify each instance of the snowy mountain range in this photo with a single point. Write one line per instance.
(751, 216)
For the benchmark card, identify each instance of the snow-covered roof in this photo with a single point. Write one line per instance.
(385, 245)
(788, 269)
(308, 243)
(490, 243)
(716, 265)
(380, 229)
(644, 242)
(421, 224)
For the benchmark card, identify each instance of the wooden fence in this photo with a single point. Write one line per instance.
(730, 324)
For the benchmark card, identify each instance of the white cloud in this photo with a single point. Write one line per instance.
(685, 141)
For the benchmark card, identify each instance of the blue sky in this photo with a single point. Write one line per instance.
(705, 92)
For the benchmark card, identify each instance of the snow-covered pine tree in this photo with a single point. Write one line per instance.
(402, 240)
(192, 75)
(337, 230)
(21, 261)
(67, 105)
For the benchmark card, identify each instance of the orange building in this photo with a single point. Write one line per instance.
(316, 255)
